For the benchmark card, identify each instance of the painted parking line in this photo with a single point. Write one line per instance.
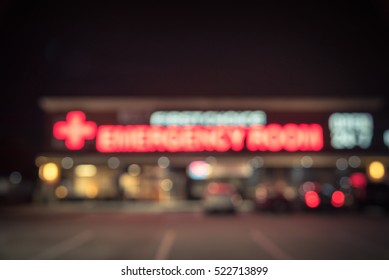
(65, 246)
(269, 246)
(165, 245)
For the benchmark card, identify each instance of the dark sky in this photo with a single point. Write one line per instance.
(281, 48)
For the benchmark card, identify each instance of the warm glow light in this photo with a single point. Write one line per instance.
(85, 170)
(91, 191)
(312, 199)
(376, 171)
(75, 130)
(337, 199)
(61, 192)
(49, 172)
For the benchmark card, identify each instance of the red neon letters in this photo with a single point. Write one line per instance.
(75, 130)
(145, 138)
(290, 137)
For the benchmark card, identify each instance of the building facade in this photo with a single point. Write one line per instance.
(165, 149)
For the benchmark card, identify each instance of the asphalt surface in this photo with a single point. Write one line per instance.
(40, 233)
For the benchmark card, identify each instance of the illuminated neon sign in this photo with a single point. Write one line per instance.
(208, 118)
(290, 137)
(75, 130)
(146, 138)
(189, 138)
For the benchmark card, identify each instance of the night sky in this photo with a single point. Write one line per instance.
(281, 48)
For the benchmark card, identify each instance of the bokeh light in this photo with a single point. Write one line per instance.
(113, 162)
(67, 162)
(163, 162)
(61, 192)
(49, 172)
(376, 170)
(134, 169)
(341, 164)
(337, 199)
(306, 161)
(15, 178)
(358, 180)
(312, 199)
(85, 170)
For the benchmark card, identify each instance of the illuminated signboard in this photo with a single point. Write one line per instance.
(75, 130)
(350, 130)
(188, 138)
(146, 138)
(245, 118)
(220, 131)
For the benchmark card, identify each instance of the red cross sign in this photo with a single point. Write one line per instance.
(75, 130)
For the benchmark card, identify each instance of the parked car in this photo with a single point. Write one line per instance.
(275, 197)
(220, 197)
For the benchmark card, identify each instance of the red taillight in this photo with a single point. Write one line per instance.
(358, 180)
(337, 199)
(312, 199)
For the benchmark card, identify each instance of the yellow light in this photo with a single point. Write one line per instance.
(61, 192)
(376, 170)
(85, 170)
(49, 172)
(91, 191)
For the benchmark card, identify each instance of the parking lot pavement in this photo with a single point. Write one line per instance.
(184, 206)
(80, 234)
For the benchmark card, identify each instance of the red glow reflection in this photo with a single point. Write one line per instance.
(75, 130)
